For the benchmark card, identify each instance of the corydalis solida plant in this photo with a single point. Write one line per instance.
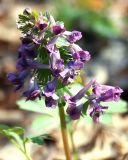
(49, 60)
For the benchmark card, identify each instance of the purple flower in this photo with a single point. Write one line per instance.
(56, 63)
(49, 90)
(102, 93)
(79, 54)
(74, 36)
(57, 66)
(33, 91)
(37, 39)
(72, 100)
(73, 109)
(49, 94)
(76, 65)
(96, 110)
(107, 93)
(83, 56)
(74, 112)
(58, 29)
(53, 50)
(41, 23)
(23, 64)
(42, 26)
(68, 75)
(69, 100)
(51, 102)
(82, 92)
(18, 78)
(28, 48)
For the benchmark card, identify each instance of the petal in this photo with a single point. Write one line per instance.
(57, 29)
(81, 93)
(74, 36)
(50, 102)
(74, 112)
(50, 88)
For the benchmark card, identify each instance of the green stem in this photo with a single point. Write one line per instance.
(64, 133)
(75, 153)
(23, 151)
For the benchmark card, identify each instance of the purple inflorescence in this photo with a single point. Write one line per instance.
(48, 47)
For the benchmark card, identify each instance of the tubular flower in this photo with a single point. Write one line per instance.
(50, 95)
(79, 54)
(28, 49)
(50, 60)
(58, 29)
(18, 78)
(33, 91)
(96, 111)
(74, 112)
(107, 93)
(102, 93)
(73, 36)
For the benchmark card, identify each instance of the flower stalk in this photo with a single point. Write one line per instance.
(64, 133)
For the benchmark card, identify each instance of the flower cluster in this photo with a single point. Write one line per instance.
(99, 93)
(49, 59)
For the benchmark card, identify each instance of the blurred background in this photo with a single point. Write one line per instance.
(104, 26)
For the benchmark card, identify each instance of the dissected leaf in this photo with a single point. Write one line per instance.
(23, 18)
(65, 55)
(43, 75)
(41, 139)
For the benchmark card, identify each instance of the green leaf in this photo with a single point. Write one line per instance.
(33, 106)
(85, 107)
(106, 118)
(15, 133)
(65, 54)
(2, 127)
(12, 135)
(43, 123)
(37, 106)
(60, 85)
(17, 130)
(23, 18)
(41, 139)
(48, 117)
(62, 42)
(116, 107)
(43, 75)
